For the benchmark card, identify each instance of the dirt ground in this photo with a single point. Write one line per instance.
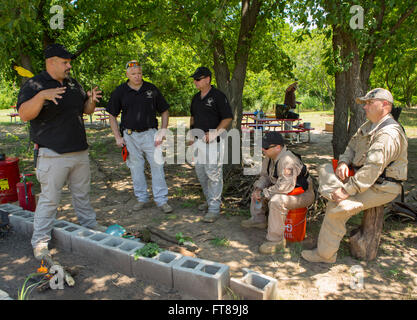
(393, 275)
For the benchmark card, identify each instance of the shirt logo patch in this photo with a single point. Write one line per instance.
(149, 94)
(209, 102)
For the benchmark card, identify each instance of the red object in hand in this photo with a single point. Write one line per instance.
(125, 153)
(335, 162)
(296, 191)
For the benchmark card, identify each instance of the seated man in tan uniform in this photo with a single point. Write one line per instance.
(282, 171)
(378, 154)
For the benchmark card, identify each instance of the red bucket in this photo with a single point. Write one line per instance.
(9, 177)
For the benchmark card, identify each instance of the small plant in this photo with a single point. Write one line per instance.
(220, 242)
(24, 292)
(150, 250)
(181, 239)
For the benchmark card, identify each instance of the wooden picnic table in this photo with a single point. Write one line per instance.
(13, 114)
(266, 127)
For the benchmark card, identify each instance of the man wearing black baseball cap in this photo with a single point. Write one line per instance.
(54, 104)
(211, 115)
(284, 184)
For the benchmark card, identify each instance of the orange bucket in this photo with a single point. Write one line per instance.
(295, 224)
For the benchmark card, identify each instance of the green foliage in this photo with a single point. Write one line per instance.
(24, 292)
(220, 242)
(8, 93)
(150, 250)
(181, 238)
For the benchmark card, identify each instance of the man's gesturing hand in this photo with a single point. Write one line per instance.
(94, 95)
(53, 94)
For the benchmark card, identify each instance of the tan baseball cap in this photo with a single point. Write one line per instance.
(377, 93)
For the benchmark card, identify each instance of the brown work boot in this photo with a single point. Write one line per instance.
(41, 251)
(166, 208)
(249, 223)
(271, 247)
(313, 256)
(139, 206)
(211, 217)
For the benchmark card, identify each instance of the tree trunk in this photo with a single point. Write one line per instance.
(26, 63)
(364, 244)
(350, 83)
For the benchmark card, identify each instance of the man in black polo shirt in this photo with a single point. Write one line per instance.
(210, 116)
(54, 103)
(139, 101)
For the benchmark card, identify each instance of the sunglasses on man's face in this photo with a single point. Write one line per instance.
(270, 146)
(200, 78)
(132, 64)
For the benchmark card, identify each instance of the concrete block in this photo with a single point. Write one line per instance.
(18, 223)
(10, 208)
(109, 250)
(85, 242)
(158, 268)
(201, 279)
(62, 233)
(22, 222)
(254, 286)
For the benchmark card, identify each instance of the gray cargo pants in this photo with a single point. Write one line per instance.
(53, 171)
(209, 171)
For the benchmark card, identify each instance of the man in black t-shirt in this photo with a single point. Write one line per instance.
(54, 104)
(139, 102)
(210, 117)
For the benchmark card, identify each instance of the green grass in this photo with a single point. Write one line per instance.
(220, 242)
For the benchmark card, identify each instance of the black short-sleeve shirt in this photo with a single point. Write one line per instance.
(57, 127)
(138, 107)
(211, 110)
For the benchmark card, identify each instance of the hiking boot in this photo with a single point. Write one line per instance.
(166, 208)
(203, 207)
(313, 256)
(41, 251)
(270, 247)
(249, 223)
(211, 217)
(139, 206)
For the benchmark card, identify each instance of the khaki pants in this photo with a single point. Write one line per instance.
(278, 206)
(53, 171)
(333, 228)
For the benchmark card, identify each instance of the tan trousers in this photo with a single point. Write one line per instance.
(333, 228)
(278, 206)
(53, 171)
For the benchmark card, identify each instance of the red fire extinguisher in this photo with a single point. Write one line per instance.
(24, 193)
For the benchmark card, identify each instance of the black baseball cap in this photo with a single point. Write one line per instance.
(57, 50)
(272, 138)
(201, 72)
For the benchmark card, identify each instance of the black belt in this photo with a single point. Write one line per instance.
(129, 131)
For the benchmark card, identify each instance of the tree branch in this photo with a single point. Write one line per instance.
(400, 21)
(89, 44)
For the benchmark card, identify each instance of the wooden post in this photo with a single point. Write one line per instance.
(364, 244)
